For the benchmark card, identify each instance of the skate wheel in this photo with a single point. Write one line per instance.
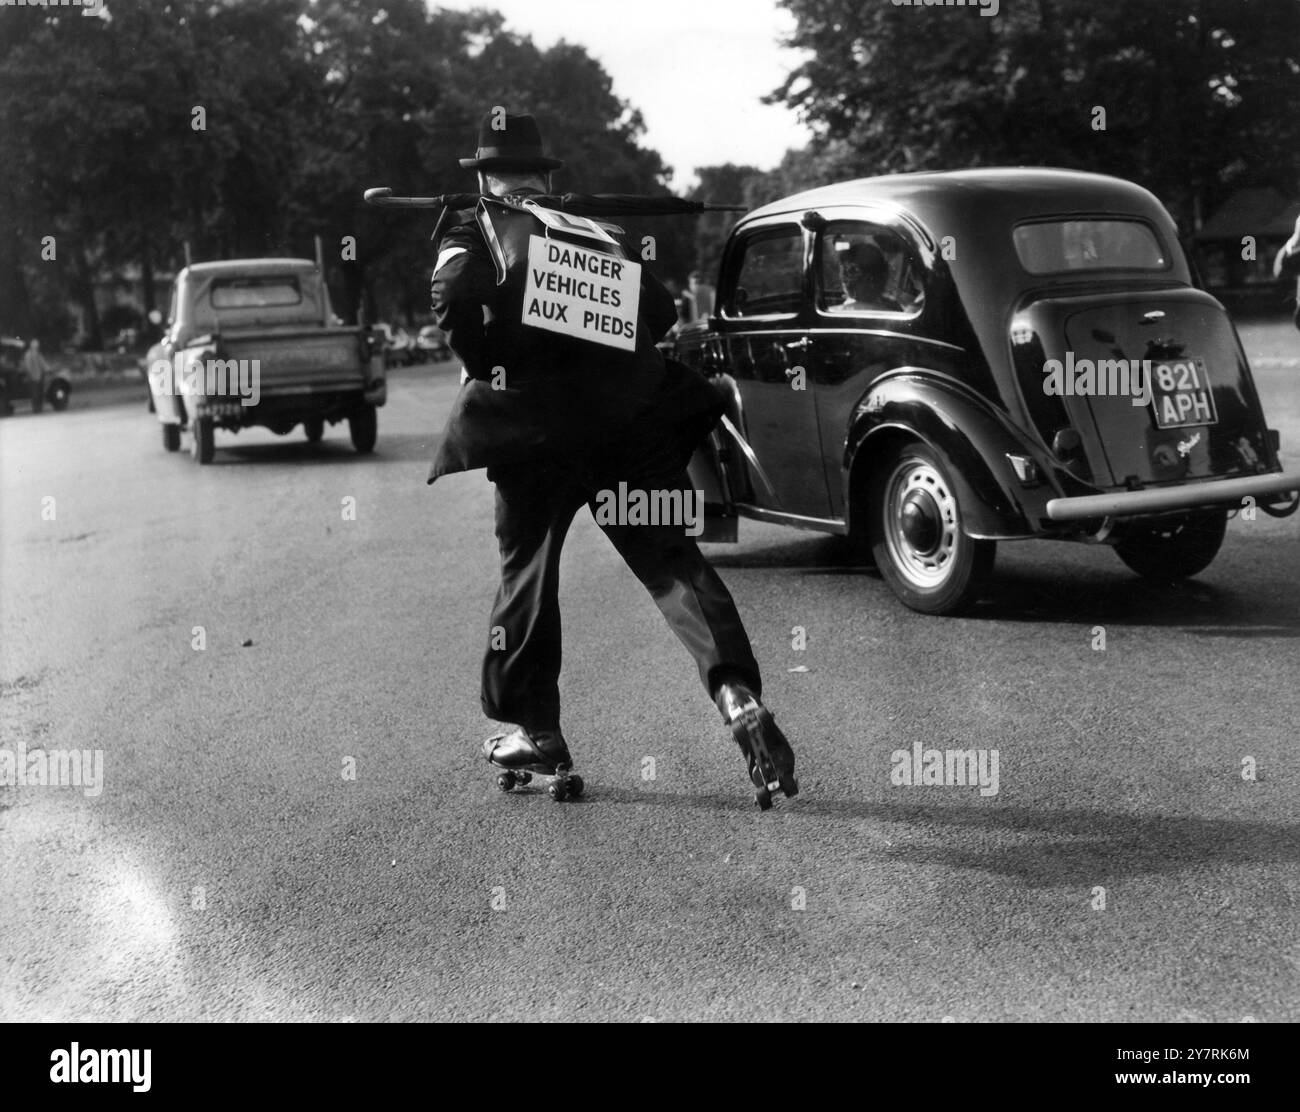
(789, 786)
(763, 798)
(559, 791)
(506, 781)
(524, 777)
(576, 786)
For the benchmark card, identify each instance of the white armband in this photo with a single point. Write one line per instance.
(446, 255)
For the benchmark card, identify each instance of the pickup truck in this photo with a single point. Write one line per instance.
(934, 363)
(252, 342)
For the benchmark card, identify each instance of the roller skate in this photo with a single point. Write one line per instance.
(769, 756)
(521, 755)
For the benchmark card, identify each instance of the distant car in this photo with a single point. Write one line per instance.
(932, 363)
(404, 346)
(432, 344)
(399, 345)
(16, 386)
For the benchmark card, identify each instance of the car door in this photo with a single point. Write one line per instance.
(869, 290)
(763, 323)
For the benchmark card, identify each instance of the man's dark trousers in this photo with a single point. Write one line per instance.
(535, 505)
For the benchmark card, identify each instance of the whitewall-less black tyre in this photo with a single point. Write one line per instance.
(916, 534)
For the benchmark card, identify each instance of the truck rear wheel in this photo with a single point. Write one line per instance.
(171, 437)
(314, 427)
(1177, 549)
(917, 538)
(363, 424)
(202, 442)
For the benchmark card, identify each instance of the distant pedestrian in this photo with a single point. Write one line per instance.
(701, 296)
(35, 367)
(1288, 262)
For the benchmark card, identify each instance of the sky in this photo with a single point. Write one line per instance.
(695, 68)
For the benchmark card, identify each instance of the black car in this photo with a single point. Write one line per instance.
(933, 363)
(15, 386)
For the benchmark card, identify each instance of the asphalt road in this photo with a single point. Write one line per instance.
(229, 870)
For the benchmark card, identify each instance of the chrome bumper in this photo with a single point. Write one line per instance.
(1126, 503)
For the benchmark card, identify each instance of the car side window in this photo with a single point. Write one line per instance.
(867, 268)
(769, 280)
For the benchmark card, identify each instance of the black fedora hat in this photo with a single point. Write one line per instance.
(508, 142)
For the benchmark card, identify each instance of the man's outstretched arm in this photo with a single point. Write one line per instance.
(463, 282)
(1288, 258)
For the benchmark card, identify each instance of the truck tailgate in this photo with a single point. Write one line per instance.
(300, 360)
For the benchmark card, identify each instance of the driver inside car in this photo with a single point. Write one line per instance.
(864, 273)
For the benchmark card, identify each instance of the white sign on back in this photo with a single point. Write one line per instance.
(586, 294)
(573, 225)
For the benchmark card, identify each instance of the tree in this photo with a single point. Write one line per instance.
(727, 184)
(98, 133)
(1194, 91)
(245, 127)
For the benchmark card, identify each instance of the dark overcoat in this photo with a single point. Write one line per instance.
(532, 393)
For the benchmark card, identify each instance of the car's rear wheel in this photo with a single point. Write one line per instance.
(202, 439)
(314, 427)
(58, 396)
(172, 437)
(1175, 549)
(916, 534)
(363, 424)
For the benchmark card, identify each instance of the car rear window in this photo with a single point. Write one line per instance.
(255, 293)
(1063, 246)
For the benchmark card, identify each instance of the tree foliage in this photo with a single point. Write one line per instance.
(304, 104)
(1199, 95)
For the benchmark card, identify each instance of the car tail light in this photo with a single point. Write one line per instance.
(1025, 468)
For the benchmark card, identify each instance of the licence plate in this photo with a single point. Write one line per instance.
(1180, 393)
(219, 409)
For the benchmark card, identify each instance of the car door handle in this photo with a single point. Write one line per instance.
(801, 345)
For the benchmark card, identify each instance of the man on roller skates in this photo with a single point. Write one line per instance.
(556, 419)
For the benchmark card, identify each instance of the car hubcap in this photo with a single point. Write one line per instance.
(922, 526)
(919, 521)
